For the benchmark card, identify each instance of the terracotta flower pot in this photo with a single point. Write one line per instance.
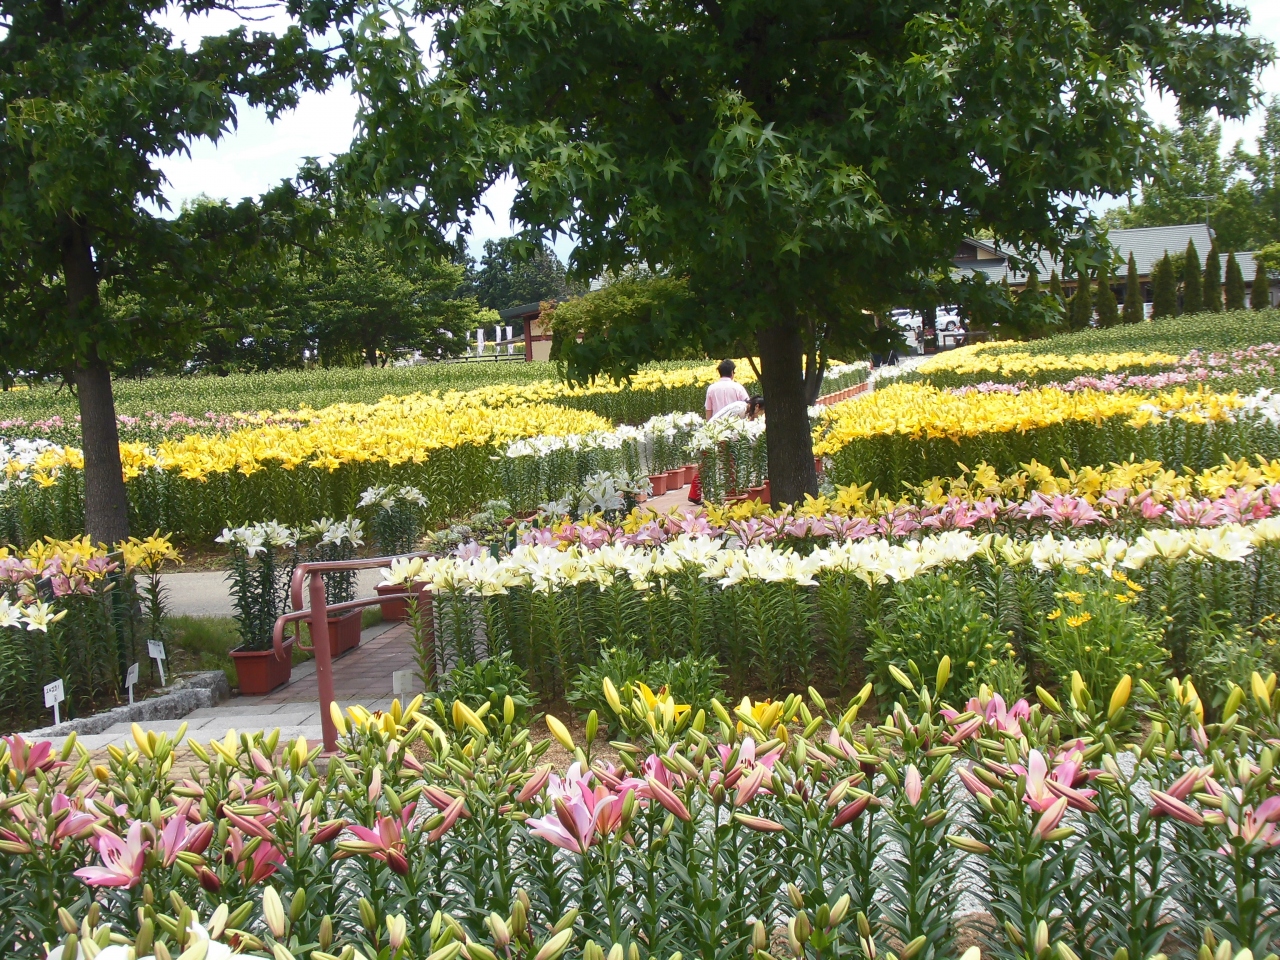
(690, 472)
(394, 611)
(675, 479)
(344, 632)
(259, 672)
(768, 492)
(659, 483)
(756, 493)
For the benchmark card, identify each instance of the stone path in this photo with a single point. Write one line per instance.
(362, 676)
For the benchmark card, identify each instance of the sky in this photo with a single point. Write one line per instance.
(258, 154)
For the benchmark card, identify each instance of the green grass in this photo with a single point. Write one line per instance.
(205, 643)
(281, 390)
(1199, 331)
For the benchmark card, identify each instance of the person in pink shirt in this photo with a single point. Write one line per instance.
(728, 397)
(724, 391)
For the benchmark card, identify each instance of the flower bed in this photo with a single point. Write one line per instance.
(905, 434)
(800, 827)
(826, 604)
(76, 613)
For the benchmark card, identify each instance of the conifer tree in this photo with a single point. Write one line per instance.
(1164, 289)
(1192, 293)
(1108, 312)
(1260, 295)
(1134, 311)
(1213, 280)
(1057, 299)
(1082, 304)
(1233, 288)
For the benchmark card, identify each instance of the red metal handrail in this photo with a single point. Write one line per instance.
(316, 614)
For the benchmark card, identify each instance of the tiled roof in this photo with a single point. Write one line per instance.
(1148, 244)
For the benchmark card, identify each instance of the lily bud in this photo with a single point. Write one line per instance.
(273, 912)
(553, 948)
(944, 674)
(914, 947)
(1120, 696)
(592, 951)
(759, 936)
(370, 919)
(1041, 942)
(508, 710)
(397, 930)
(839, 912)
(864, 928)
(804, 929)
(616, 952)
(325, 937)
(561, 733)
(593, 722)
(499, 930)
(795, 896)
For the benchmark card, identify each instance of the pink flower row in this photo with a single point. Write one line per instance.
(1059, 511)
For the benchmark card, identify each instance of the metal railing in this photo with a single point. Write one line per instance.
(316, 616)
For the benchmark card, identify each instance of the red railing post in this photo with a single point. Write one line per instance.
(319, 622)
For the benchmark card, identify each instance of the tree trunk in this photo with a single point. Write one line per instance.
(791, 471)
(106, 505)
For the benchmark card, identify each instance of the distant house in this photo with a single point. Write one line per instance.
(537, 335)
(1147, 244)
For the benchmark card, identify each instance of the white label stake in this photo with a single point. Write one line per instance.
(130, 679)
(53, 696)
(155, 650)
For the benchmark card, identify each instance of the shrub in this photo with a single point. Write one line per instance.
(934, 616)
(1095, 630)
(491, 681)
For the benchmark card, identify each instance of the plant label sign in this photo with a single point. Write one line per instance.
(130, 679)
(54, 694)
(155, 650)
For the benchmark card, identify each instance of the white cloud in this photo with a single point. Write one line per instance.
(258, 154)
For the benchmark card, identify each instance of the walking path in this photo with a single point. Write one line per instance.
(362, 676)
(208, 594)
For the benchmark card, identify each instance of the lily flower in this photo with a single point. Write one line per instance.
(122, 860)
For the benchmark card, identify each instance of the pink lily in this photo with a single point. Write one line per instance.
(122, 860)
(912, 785)
(1167, 804)
(385, 842)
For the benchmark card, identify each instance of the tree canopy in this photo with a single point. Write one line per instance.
(802, 165)
(1239, 192)
(513, 272)
(95, 93)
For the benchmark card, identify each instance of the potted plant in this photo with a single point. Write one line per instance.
(263, 557)
(395, 523)
(332, 540)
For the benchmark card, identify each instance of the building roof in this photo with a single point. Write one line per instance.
(520, 312)
(1147, 244)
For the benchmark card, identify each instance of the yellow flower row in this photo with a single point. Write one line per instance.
(505, 395)
(1089, 482)
(921, 411)
(395, 430)
(975, 359)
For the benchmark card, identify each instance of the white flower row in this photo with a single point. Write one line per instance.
(668, 425)
(874, 560)
(256, 538)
